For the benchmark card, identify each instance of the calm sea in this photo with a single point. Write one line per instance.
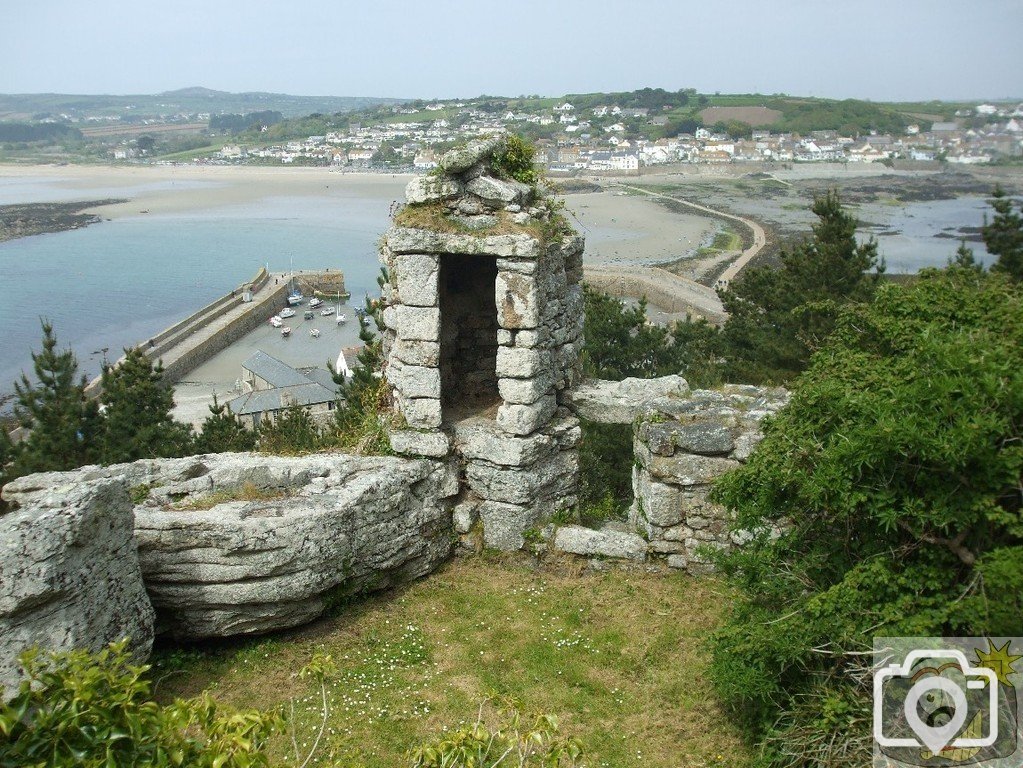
(119, 282)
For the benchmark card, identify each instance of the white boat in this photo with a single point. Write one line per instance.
(286, 331)
(314, 332)
(315, 302)
(287, 312)
(295, 299)
(327, 311)
(276, 321)
(341, 319)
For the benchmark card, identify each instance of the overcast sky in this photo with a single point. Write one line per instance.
(876, 49)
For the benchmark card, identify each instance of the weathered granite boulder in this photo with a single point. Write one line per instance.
(577, 540)
(427, 189)
(620, 402)
(499, 192)
(233, 544)
(328, 525)
(461, 159)
(69, 573)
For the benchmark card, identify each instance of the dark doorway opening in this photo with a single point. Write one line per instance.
(468, 339)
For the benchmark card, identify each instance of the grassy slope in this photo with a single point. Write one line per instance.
(618, 657)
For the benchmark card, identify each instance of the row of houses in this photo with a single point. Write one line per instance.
(600, 141)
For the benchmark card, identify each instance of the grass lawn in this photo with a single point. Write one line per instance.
(618, 657)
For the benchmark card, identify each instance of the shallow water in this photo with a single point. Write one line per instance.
(119, 282)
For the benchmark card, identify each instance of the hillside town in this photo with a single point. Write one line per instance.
(611, 139)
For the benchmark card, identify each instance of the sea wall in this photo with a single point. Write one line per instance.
(196, 347)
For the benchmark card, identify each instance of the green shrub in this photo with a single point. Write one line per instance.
(94, 710)
(893, 479)
(528, 742)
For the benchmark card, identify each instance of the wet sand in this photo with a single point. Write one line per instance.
(620, 230)
(625, 230)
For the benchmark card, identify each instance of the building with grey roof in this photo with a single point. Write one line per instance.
(275, 386)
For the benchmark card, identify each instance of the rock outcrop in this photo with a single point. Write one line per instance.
(242, 544)
(69, 574)
(227, 544)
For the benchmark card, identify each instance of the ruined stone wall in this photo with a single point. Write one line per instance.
(682, 441)
(681, 446)
(483, 329)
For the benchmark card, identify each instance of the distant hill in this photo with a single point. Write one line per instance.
(39, 106)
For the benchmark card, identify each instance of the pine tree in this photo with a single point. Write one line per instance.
(964, 258)
(292, 431)
(1003, 235)
(777, 317)
(61, 420)
(137, 421)
(223, 431)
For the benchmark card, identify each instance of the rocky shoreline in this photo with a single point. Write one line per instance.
(27, 219)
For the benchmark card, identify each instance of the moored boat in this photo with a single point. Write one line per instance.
(286, 331)
(315, 302)
(327, 311)
(341, 319)
(276, 321)
(314, 332)
(287, 312)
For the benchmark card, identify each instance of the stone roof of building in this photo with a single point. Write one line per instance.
(273, 371)
(279, 398)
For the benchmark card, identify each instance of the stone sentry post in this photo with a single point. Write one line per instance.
(483, 326)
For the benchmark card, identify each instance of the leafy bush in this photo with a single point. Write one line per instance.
(517, 741)
(93, 711)
(885, 500)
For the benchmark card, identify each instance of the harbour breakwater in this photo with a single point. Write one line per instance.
(192, 341)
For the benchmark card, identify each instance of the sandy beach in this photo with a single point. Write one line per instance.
(620, 230)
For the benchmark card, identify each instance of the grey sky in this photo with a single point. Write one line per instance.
(877, 49)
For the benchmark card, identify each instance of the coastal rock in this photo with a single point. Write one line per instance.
(69, 573)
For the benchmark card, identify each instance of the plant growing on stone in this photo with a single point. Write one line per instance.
(95, 711)
(515, 159)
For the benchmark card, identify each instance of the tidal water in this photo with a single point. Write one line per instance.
(119, 282)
